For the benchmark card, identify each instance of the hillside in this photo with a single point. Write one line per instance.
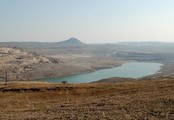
(24, 65)
(143, 100)
(79, 58)
(17, 61)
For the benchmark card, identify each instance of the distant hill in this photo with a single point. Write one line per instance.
(146, 43)
(71, 41)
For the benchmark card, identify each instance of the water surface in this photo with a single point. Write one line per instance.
(127, 70)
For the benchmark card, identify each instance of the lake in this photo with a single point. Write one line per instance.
(127, 70)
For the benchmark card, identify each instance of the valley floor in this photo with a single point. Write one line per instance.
(143, 99)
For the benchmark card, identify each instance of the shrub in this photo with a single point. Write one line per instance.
(64, 82)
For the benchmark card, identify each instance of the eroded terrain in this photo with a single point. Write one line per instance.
(50, 60)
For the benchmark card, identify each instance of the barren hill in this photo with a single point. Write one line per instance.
(18, 61)
(71, 41)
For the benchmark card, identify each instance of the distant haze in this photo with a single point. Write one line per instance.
(91, 21)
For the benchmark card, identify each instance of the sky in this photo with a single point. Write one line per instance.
(91, 21)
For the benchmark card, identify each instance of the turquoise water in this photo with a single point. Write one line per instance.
(127, 70)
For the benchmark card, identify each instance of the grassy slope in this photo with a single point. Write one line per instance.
(151, 99)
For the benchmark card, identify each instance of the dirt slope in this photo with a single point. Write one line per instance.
(143, 100)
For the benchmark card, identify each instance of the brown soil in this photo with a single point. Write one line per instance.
(143, 100)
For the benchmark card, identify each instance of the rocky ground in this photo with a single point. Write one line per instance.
(143, 100)
(23, 65)
(17, 62)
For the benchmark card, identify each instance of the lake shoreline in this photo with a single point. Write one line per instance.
(123, 71)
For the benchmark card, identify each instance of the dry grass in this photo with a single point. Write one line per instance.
(152, 99)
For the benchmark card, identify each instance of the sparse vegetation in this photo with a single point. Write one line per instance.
(64, 82)
(144, 99)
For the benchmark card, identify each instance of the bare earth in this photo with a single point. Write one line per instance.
(143, 100)
(23, 65)
(149, 98)
(51, 60)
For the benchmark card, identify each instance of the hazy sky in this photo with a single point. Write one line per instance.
(92, 21)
